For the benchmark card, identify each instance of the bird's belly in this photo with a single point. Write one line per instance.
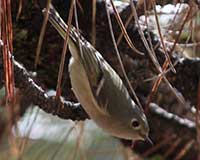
(82, 90)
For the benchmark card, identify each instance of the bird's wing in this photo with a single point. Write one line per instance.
(94, 67)
(103, 80)
(105, 83)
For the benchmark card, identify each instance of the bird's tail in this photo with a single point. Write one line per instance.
(80, 48)
(57, 22)
(74, 36)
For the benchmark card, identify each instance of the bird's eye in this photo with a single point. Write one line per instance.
(135, 124)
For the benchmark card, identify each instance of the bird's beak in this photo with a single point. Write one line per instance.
(149, 140)
(132, 144)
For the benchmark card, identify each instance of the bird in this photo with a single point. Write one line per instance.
(99, 89)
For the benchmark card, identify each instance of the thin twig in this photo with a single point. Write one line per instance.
(180, 31)
(172, 148)
(159, 145)
(125, 26)
(168, 61)
(62, 62)
(94, 22)
(124, 29)
(184, 150)
(19, 9)
(119, 58)
(61, 145)
(42, 32)
(198, 117)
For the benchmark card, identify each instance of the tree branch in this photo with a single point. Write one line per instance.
(69, 110)
(37, 96)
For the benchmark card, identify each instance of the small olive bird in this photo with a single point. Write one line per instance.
(99, 89)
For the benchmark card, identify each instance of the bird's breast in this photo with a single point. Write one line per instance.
(82, 90)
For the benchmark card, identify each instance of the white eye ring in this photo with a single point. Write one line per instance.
(135, 124)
